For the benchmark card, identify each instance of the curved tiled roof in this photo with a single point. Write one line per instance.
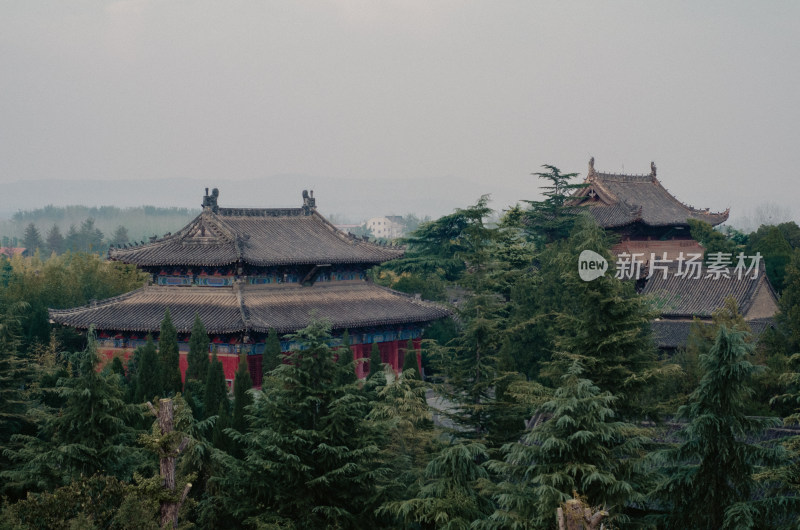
(673, 334)
(257, 236)
(679, 297)
(617, 200)
(250, 307)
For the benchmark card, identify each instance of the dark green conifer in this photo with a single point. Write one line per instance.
(90, 434)
(169, 356)
(410, 366)
(311, 455)
(149, 381)
(375, 362)
(241, 396)
(581, 447)
(450, 496)
(272, 355)
(216, 391)
(709, 477)
(344, 358)
(197, 359)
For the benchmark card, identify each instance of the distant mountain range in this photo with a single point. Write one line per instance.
(348, 200)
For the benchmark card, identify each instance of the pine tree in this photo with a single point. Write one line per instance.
(582, 447)
(709, 476)
(472, 365)
(450, 497)
(410, 366)
(120, 236)
(552, 219)
(241, 396)
(607, 325)
(216, 391)
(169, 357)
(16, 375)
(197, 359)
(90, 434)
(149, 382)
(272, 355)
(375, 362)
(344, 358)
(32, 240)
(197, 369)
(55, 241)
(311, 458)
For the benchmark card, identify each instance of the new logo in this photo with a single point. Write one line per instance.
(591, 265)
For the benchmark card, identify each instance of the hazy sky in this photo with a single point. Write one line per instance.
(366, 89)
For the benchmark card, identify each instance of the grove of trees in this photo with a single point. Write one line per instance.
(548, 393)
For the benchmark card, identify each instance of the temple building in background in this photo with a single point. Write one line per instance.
(651, 222)
(245, 271)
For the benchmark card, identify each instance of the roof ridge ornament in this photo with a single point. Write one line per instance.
(309, 202)
(210, 201)
(652, 169)
(591, 173)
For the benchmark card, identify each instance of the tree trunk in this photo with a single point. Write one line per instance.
(575, 516)
(166, 423)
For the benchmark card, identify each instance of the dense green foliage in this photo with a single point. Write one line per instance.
(542, 388)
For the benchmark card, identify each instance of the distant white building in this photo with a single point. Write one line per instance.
(389, 227)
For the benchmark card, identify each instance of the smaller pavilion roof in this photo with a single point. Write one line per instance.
(680, 297)
(617, 200)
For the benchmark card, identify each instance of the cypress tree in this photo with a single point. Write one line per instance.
(582, 447)
(241, 397)
(216, 391)
(149, 381)
(375, 362)
(197, 359)
(90, 434)
(170, 358)
(272, 355)
(709, 476)
(450, 496)
(607, 325)
(16, 374)
(311, 457)
(344, 358)
(410, 366)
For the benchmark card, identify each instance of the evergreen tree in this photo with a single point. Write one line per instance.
(16, 375)
(582, 447)
(241, 396)
(777, 253)
(120, 236)
(272, 355)
(450, 497)
(476, 377)
(552, 218)
(90, 434)
(410, 365)
(197, 359)
(216, 391)
(169, 357)
(149, 382)
(610, 328)
(197, 368)
(311, 458)
(32, 240)
(401, 409)
(55, 241)
(344, 358)
(709, 476)
(375, 362)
